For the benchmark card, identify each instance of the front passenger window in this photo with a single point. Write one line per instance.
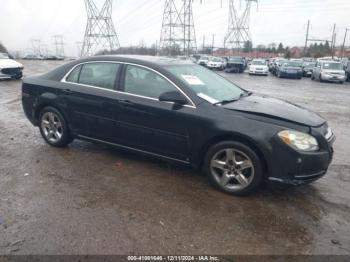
(144, 82)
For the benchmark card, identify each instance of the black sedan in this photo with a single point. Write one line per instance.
(176, 110)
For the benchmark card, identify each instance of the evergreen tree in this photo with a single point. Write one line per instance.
(280, 48)
(2, 48)
(248, 47)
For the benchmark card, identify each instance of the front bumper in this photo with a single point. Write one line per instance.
(9, 73)
(258, 72)
(307, 73)
(297, 168)
(333, 78)
(215, 66)
(291, 74)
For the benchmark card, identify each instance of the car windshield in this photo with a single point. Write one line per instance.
(206, 84)
(216, 60)
(4, 56)
(236, 60)
(291, 64)
(309, 65)
(333, 66)
(204, 58)
(256, 62)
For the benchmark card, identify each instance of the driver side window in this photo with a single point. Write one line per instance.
(143, 82)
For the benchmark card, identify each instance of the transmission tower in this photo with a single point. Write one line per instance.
(178, 31)
(36, 45)
(100, 32)
(59, 45)
(238, 30)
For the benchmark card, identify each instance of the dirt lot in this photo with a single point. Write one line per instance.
(93, 199)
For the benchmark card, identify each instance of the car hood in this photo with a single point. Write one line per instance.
(290, 68)
(278, 109)
(332, 71)
(258, 66)
(8, 63)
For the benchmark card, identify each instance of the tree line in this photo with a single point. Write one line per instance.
(314, 50)
(2, 48)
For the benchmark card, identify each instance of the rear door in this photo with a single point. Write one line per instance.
(90, 95)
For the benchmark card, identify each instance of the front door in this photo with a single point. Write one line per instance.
(148, 124)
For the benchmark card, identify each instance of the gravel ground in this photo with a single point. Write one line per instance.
(93, 199)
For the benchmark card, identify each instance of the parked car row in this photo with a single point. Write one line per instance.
(42, 57)
(229, 64)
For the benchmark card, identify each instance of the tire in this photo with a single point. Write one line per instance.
(320, 78)
(54, 127)
(243, 176)
(341, 82)
(312, 77)
(279, 75)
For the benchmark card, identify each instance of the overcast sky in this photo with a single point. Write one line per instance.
(135, 20)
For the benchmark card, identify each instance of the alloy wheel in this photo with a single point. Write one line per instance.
(52, 127)
(232, 169)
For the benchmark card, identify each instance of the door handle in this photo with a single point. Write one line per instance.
(67, 91)
(126, 102)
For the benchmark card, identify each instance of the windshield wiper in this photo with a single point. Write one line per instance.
(227, 101)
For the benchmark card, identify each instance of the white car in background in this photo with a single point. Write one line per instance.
(203, 60)
(9, 68)
(258, 67)
(216, 63)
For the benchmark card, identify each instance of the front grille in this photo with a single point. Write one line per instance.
(11, 71)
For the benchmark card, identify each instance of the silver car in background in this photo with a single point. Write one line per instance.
(331, 71)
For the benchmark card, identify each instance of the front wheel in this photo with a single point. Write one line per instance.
(234, 168)
(54, 128)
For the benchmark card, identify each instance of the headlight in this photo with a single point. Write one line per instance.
(299, 141)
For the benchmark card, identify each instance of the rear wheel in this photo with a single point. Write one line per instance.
(54, 128)
(234, 168)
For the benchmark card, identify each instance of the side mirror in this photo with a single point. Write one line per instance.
(174, 97)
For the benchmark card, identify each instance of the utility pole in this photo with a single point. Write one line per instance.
(212, 45)
(100, 33)
(333, 40)
(307, 36)
(343, 47)
(308, 39)
(203, 46)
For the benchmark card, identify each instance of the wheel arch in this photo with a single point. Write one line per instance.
(44, 104)
(236, 138)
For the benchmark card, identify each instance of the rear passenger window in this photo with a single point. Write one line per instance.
(74, 75)
(102, 75)
(99, 74)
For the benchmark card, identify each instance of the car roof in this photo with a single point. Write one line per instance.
(329, 61)
(140, 59)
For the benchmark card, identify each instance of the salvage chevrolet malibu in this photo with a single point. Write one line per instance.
(179, 111)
